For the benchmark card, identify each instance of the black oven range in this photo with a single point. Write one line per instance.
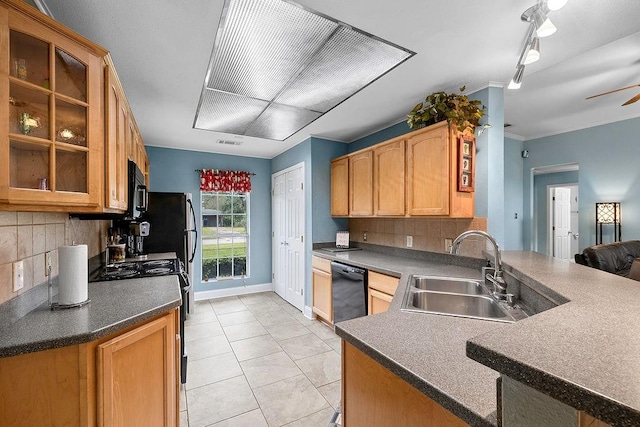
(156, 266)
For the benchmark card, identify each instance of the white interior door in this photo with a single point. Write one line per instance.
(288, 235)
(278, 234)
(562, 223)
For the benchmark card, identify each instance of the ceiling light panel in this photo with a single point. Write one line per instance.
(349, 61)
(277, 66)
(280, 122)
(263, 44)
(226, 112)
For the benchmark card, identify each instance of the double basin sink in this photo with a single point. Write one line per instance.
(457, 297)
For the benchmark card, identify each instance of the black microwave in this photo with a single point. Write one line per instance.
(138, 199)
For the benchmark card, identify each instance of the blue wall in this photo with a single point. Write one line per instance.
(173, 170)
(513, 204)
(608, 159)
(316, 154)
(382, 135)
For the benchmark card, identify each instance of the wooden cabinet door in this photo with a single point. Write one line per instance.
(137, 376)
(428, 172)
(379, 302)
(115, 144)
(322, 302)
(361, 184)
(51, 92)
(340, 187)
(388, 179)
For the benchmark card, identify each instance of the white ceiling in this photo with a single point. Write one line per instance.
(161, 49)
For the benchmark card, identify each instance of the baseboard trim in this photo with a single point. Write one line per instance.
(229, 292)
(308, 313)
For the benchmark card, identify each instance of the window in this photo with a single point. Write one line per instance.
(225, 235)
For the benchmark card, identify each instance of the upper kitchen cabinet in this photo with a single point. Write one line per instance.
(388, 178)
(340, 186)
(51, 87)
(116, 119)
(361, 183)
(432, 174)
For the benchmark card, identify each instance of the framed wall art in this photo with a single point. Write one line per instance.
(466, 163)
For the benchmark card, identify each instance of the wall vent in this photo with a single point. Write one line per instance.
(227, 142)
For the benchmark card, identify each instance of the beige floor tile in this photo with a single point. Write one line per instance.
(184, 419)
(304, 346)
(276, 317)
(202, 314)
(290, 309)
(227, 305)
(319, 419)
(211, 369)
(257, 298)
(244, 331)
(303, 319)
(202, 330)
(283, 331)
(236, 318)
(207, 347)
(335, 343)
(248, 419)
(265, 307)
(183, 398)
(269, 369)
(220, 401)
(321, 330)
(332, 392)
(321, 369)
(255, 347)
(289, 400)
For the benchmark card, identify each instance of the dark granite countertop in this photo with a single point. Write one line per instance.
(583, 352)
(27, 324)
(426, 350)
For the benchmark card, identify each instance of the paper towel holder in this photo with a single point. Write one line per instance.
(58, 306)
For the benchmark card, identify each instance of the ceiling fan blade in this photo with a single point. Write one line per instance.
(632, 100)
(613, 91)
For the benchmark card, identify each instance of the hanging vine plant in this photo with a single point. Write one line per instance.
(453, 107)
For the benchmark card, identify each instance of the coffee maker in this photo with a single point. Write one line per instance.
(135, 239)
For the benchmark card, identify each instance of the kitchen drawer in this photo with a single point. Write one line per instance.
(321, 264)
(383, 283)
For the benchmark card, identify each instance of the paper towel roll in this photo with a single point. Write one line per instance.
(73, 284)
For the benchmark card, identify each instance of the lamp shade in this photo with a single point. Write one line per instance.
(544, 26)
(608, 213)
(533, 53)
(516, 82)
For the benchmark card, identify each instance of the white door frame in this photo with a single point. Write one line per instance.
(298, 300)
(550, 193)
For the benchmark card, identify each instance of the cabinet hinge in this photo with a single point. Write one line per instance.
(273, 275)
(302, 291)
(273, 234)
(302, 185)
(301, 239)
(553, 198)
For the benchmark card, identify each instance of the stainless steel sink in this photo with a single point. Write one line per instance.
(478, 307)
(454, 296)
(449, 284)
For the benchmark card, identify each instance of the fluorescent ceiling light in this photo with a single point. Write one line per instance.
(276, 67)
(516, 82)
(533, 52)
(556, 4)
(544, 26)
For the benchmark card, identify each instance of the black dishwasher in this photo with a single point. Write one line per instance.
(349, 288)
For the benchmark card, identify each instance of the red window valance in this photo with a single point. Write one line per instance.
(219, 180)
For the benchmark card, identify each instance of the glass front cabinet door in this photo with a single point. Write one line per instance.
(52, 106)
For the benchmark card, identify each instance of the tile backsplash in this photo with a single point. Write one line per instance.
(27, 236)
(428, 234)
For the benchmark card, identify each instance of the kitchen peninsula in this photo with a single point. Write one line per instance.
(577, 354)
(66, 366)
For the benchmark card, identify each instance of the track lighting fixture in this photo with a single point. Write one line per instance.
(516, 81)
(539, 26)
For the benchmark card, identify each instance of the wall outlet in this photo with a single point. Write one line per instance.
(47, 262)
(364, 236)
(18, 276)
(409, 241)
(447, 245)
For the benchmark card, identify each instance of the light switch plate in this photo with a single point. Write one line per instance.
(47, 262)
(447, 245)
(409, 241)
(18, 276)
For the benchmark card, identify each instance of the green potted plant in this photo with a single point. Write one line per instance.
(452, 107)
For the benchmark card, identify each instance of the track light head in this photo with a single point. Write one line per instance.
(516, 81)
(533, 52)
(554, 5)
(544, 26)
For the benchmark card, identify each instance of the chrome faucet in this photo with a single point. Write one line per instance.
(495, 277)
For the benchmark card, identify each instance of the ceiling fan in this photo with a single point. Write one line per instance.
(630, 101)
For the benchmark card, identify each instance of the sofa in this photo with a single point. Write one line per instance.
(616, 258)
